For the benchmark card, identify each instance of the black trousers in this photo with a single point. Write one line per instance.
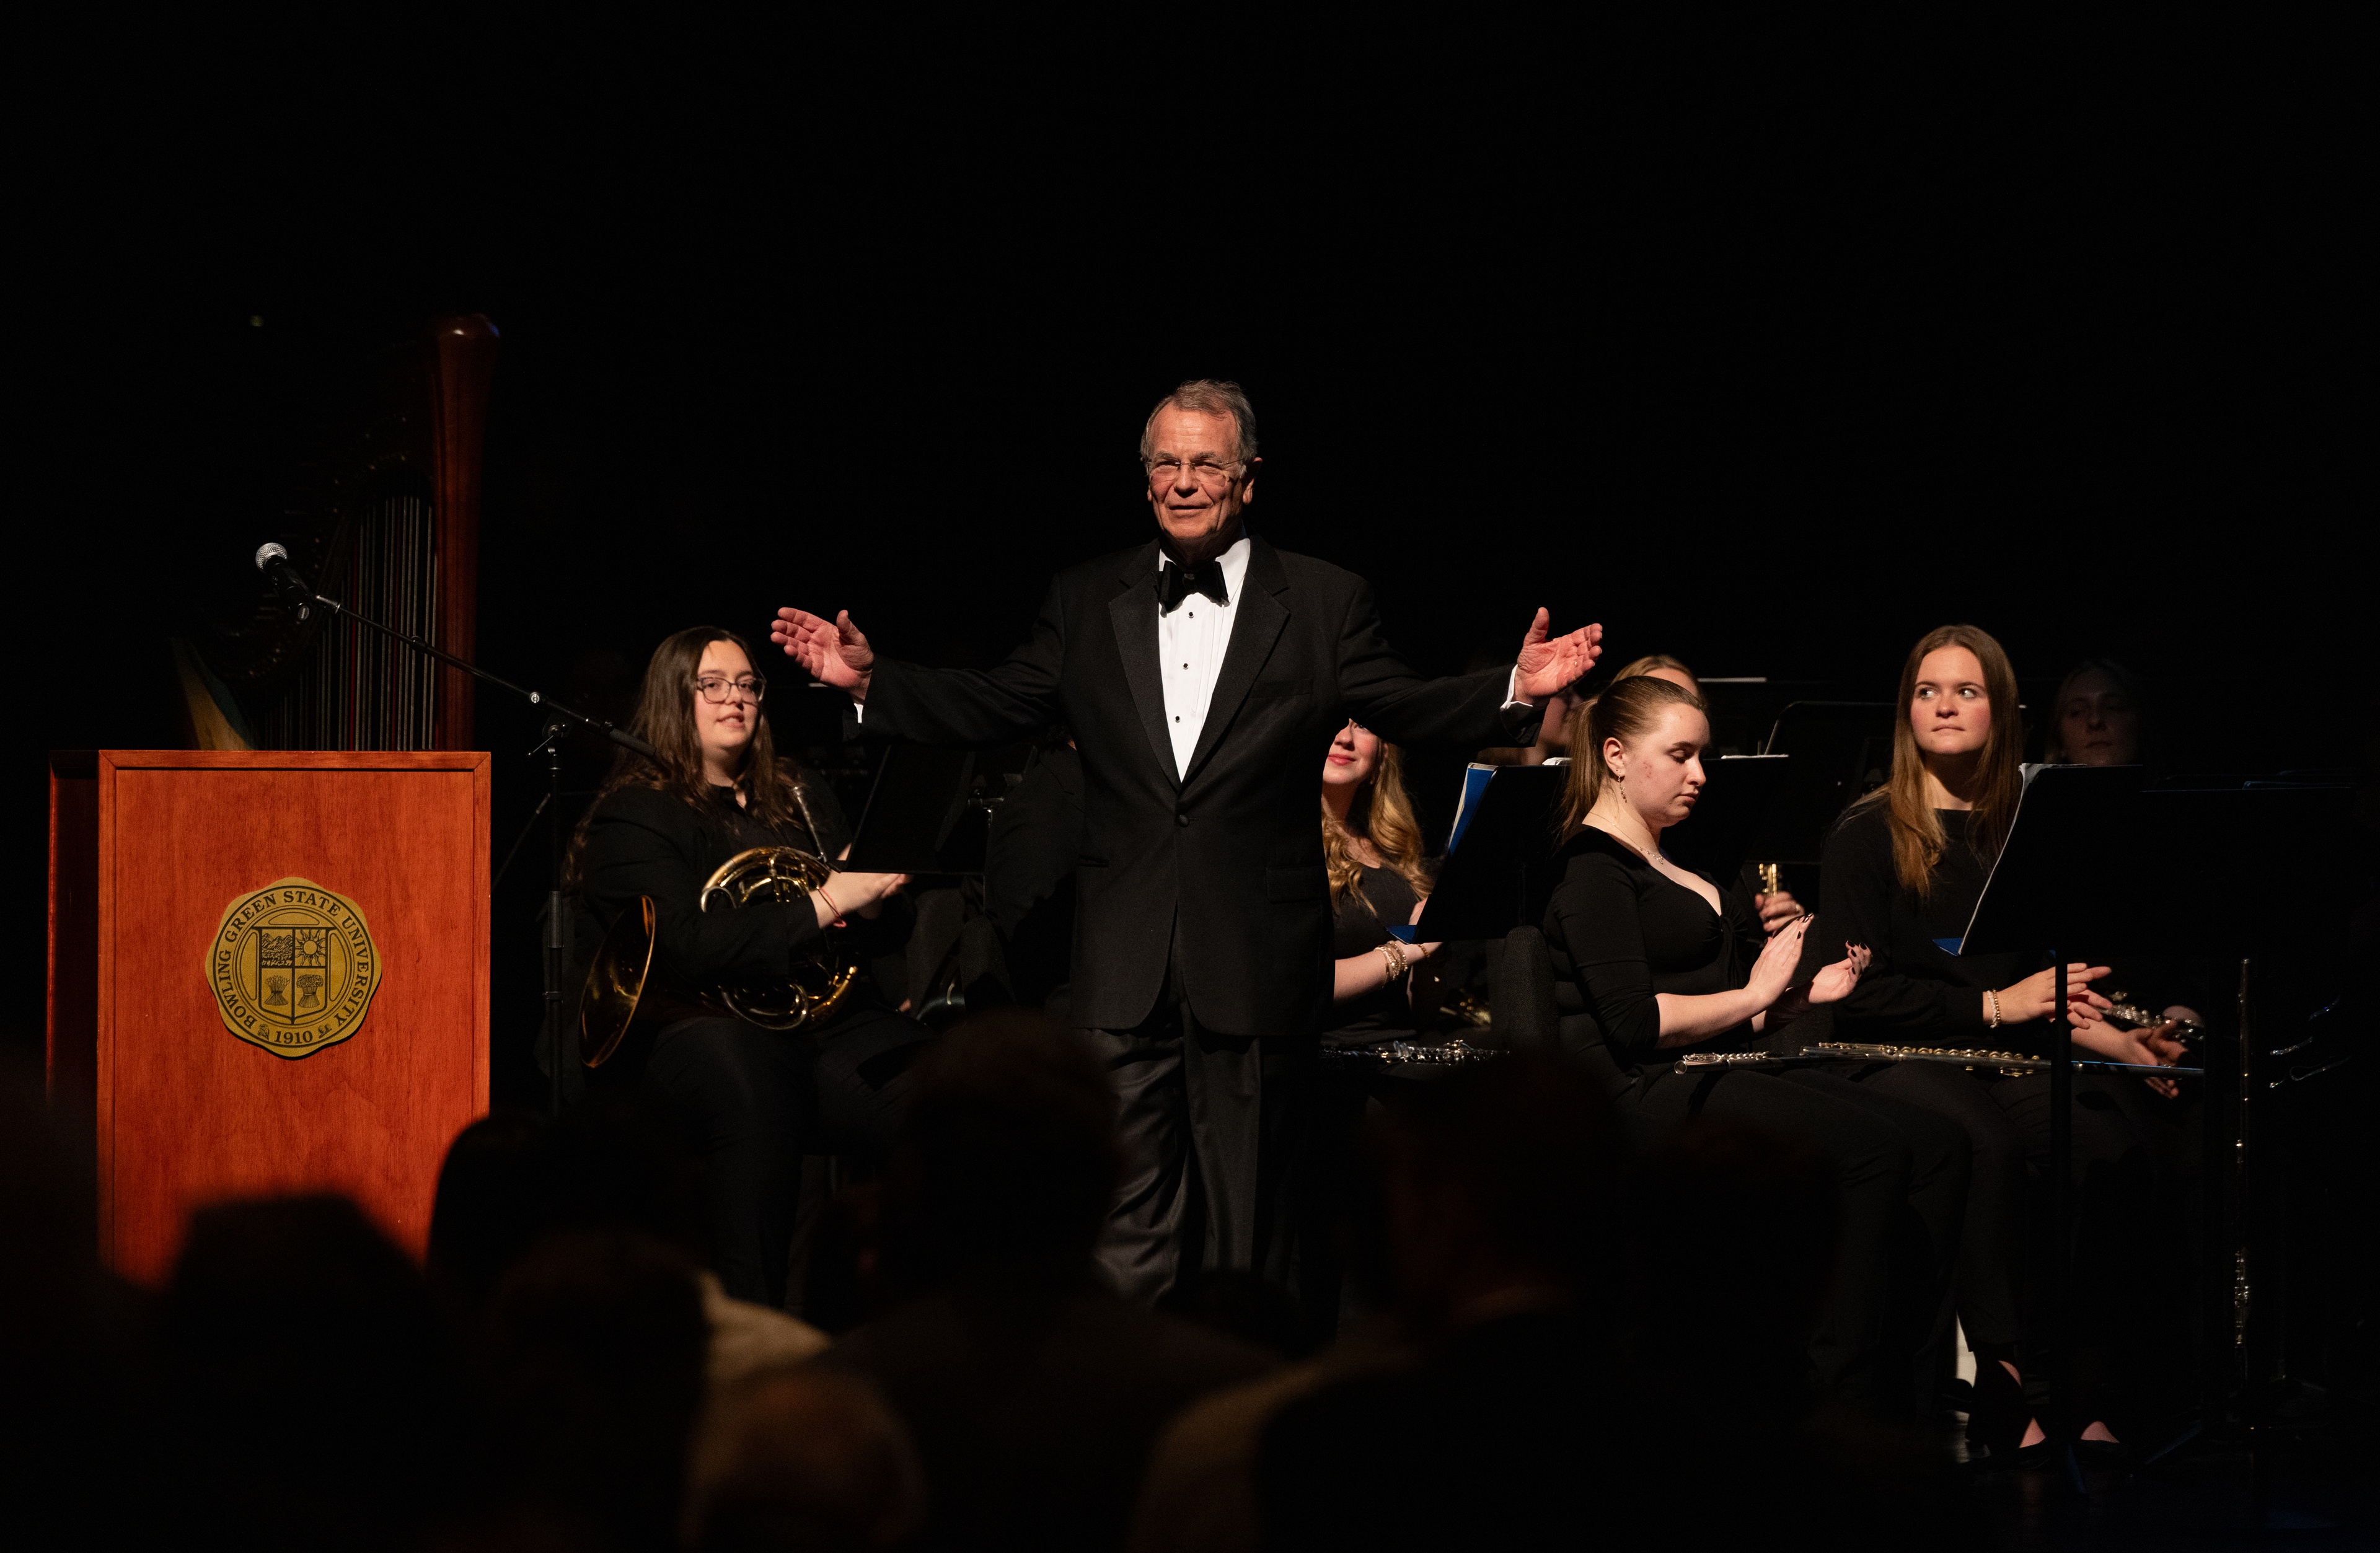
(2007, 1124)
(1213, 1131)
(750, 1103)
(2118, 1181)
(1900, 1181)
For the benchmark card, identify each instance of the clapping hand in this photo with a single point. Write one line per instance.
(1835, 982)
(834, 650)
(1779, 957)
(1547, 667)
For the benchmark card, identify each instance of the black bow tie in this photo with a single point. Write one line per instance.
(1175, 584)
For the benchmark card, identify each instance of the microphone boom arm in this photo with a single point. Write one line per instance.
(617, 734)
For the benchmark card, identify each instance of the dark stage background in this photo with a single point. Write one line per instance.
(1773, 369)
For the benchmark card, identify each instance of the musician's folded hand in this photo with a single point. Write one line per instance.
(2036, 996)
(2115, 1045)
(1775, 908)
(2169, 1048)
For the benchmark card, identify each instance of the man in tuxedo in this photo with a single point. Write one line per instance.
(1204, 675)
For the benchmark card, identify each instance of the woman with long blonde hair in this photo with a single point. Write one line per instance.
(1372, 851)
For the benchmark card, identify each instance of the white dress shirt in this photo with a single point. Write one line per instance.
(1190, 644)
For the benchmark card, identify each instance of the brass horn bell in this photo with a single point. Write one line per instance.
(622, 980)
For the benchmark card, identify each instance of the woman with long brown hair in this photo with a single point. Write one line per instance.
(1901, 873)
(1653, 961)
(750, 1101)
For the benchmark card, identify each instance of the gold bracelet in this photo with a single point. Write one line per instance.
(1994, 999)
(1392, 955)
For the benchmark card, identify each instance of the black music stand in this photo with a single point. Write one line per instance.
(918, 820)
(1496, 876)
(1740, 792)
(2055, 888)
(1841, 750)
(2073, 823)
(2265, 854)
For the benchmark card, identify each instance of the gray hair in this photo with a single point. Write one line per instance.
(1207, 396)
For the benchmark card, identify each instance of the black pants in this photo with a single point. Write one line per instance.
(2114, 1174)
(750, 1103)
(1900, 1177)
(1213, 1129)
(2117, 1182)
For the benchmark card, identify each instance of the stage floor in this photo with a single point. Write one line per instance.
(2318, 1465)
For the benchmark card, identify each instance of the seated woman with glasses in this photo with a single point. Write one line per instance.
(751, 1103)
(1653, 962)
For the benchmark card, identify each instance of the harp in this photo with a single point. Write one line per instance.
(383, 515)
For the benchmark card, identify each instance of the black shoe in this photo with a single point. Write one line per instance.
(2102, 1453)
(1996, 1415)
(2040, 1456)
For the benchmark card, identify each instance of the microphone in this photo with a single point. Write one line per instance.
(274, 561)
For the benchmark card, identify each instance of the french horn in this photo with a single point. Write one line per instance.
(622, 982)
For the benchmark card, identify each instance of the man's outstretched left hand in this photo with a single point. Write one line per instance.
(1547, 667)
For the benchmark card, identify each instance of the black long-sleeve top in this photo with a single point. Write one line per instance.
(1917, 990)
(644, 842)
(1620, 932)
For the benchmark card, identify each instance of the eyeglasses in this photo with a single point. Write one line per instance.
(1206, 471)
(715, 688)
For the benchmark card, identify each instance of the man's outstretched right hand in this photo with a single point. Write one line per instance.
(832, 651)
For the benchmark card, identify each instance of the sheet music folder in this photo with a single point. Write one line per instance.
(918, 819)
(1495, 865)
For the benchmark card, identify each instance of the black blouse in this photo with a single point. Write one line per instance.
(1620, 932)
(1384, 1014)
(644, 842)
(1917, 990)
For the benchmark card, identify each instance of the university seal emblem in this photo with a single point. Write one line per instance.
(294, 967)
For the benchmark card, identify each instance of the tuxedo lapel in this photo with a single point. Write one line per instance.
(1255, 626)
(1134, 614)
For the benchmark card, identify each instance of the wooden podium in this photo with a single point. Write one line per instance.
(268, 973)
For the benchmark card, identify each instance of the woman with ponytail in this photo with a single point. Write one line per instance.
(1654, 961)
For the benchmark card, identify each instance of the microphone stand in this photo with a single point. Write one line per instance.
(558, 721)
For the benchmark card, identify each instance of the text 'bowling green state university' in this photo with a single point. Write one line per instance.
(294, 967)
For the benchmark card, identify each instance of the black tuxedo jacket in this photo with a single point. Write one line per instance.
(1232, 848)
